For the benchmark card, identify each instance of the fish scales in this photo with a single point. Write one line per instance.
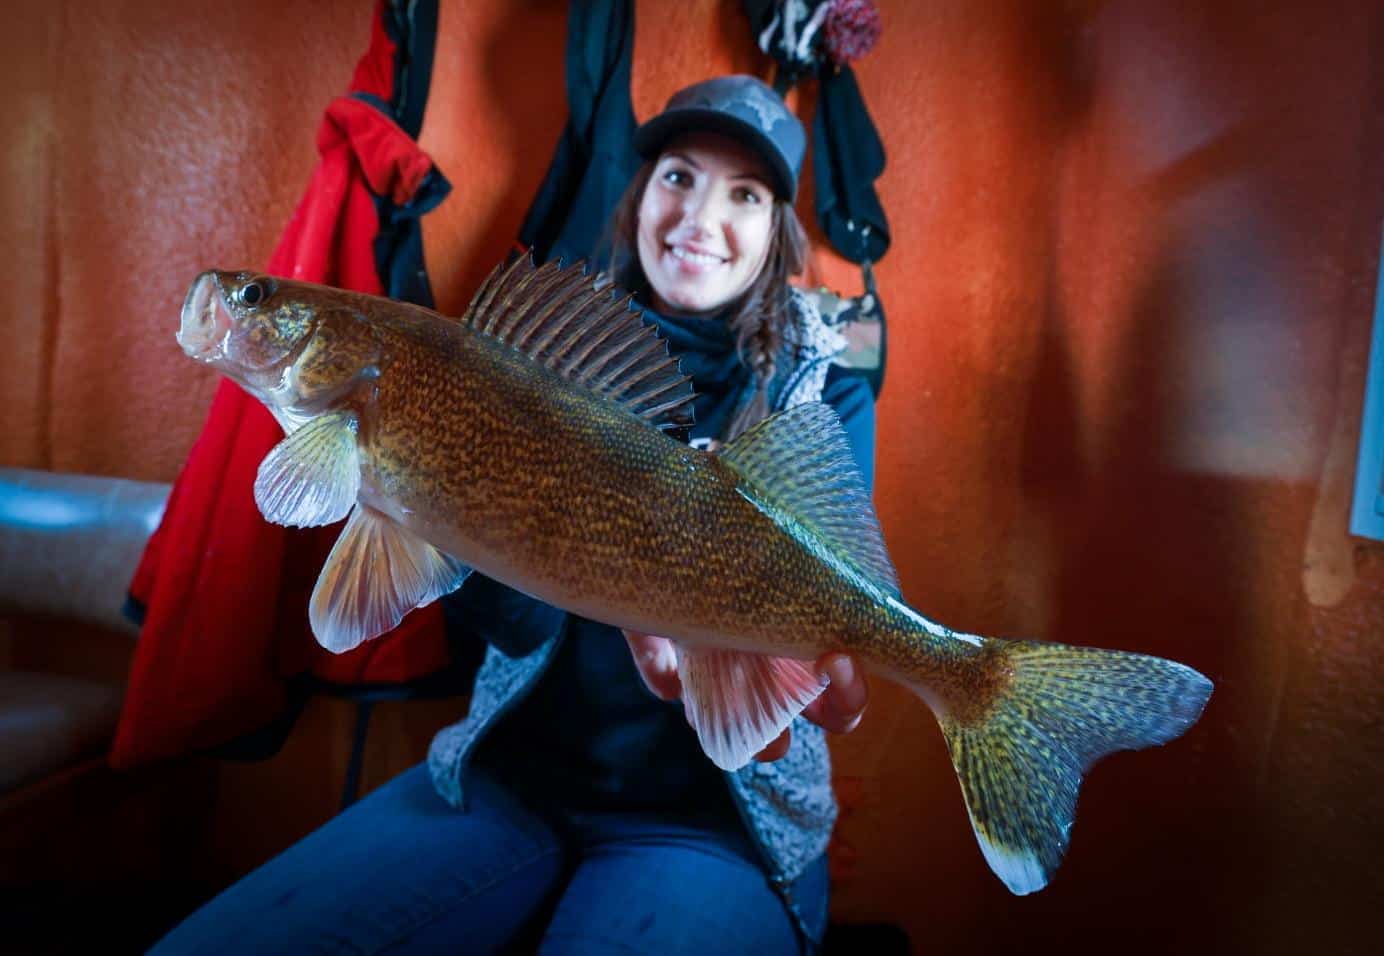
(593, 508)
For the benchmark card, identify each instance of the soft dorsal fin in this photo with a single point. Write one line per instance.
(562, 320)
(799, 467)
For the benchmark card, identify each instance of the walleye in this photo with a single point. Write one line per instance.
(526, 441)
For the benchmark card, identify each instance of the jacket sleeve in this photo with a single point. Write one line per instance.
(849, 394)
(484, 609)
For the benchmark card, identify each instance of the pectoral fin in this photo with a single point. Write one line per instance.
(740, 702)
(377, 572)
(312, 477)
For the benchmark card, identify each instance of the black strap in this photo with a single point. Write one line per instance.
(595, 158)
(412, 25)
(847, 158)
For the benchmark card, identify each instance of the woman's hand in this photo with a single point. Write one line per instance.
(657, 663)
(837, 709)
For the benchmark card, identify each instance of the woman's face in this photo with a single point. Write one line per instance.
(705, 221)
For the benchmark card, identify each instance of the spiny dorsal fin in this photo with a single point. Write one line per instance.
(560, 319)
(799, 463)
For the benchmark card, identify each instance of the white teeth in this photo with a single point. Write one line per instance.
(700, 258)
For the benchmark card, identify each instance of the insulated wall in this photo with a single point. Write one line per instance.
(1129, 296)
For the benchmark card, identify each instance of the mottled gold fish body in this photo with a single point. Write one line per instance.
(525, 441)
(573, 499)
(540, 482)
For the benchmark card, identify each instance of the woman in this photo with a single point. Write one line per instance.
(589, 818)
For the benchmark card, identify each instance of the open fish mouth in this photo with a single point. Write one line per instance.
(205, 322)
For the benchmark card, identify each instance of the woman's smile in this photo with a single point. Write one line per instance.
(694, 258)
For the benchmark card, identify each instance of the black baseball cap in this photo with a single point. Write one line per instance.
(741, 107)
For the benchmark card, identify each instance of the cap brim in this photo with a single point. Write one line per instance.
(650, 139)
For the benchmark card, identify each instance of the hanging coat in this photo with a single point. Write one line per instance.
(595, 159)
(222, 593)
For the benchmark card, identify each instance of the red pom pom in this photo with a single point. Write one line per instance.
(850, 30)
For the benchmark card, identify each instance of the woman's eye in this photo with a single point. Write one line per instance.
(677, 177)
(747, 195)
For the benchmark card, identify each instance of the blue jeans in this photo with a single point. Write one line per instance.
(401, 871)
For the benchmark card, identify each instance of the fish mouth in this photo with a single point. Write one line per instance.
(206, 324)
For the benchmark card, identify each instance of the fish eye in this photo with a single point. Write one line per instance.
(253, 293)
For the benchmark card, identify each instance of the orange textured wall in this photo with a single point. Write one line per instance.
(1130, 290)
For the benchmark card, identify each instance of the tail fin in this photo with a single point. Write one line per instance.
(1021, 758)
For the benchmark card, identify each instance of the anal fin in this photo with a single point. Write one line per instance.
(739, 702)
(376, 573)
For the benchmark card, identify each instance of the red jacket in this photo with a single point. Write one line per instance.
(225, 592)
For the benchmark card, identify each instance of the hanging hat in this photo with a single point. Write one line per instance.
(740, 107)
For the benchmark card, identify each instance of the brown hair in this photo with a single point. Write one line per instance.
(758, 317)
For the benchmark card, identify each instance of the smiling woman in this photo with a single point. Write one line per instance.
(705, 237)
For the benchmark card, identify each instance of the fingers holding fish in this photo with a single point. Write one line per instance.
(776, 749)
(840, 707)
(657, 664)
